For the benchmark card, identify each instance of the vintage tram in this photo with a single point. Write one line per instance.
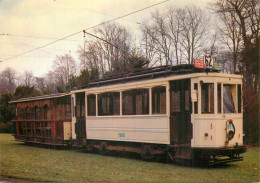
(182, 112)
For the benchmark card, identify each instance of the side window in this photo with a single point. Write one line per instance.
(219, 98)
(46, 113)
(239, 99)
(196, 103)
(19, 114)
(228, 98)
(159, 100)
(135, 102)
(91, 105)
(207, 98)
(109, 104)
(37, 113)
(27, 113)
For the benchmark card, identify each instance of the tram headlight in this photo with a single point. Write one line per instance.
(230, 129)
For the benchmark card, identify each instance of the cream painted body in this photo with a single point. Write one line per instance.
(132, 129)
(215, 124)
(156, 129)
(216, 130)
(67, 130)
(73, 104)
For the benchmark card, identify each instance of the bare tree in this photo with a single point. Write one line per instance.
(64, 68)
(175, 34)
(175, 27)
(151, 50)
(231, 36)
(245, 14)
(40, 84)
(108, 52)
(156, 34)
(51, 83)
(27, 78)
(194, 31)
(8, 81)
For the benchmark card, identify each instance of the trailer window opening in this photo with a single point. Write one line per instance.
(207, 98)
(219, 98)
(159, 100)
(239, 99)
(135, 102)
(228, 99)
(37, 113)
(109, 104)
(46, 112)
(19, 114)
(91, 105)
(27, 113)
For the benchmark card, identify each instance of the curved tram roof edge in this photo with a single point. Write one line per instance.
(42, 97)
(169, 72)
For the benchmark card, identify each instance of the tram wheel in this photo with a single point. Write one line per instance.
(146, 154)
(103, 150)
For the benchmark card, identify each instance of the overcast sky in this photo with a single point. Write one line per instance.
(34, 23)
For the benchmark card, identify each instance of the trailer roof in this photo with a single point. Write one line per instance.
(42, 97)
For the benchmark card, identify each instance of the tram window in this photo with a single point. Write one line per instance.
(219, 98)
(196, 103)
(37, 112)
(91, 105)
(159, 100)
(41, 113)
(80, 105)
(207, 98)
(68, 108)
(136, 102)
(58, 111)
(28, 113)
(239, 98)
(109, 104)
(46, 113)
(228, 99)
(19, 114)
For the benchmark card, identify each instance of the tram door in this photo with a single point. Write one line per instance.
(80, 126)
(180, 116)
(78, 116)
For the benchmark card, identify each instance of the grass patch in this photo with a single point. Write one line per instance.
(43, 164)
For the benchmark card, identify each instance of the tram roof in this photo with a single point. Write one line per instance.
(134, 75)
(150, 73)
(42, 97)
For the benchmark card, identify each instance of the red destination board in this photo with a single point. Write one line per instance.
(199, 64)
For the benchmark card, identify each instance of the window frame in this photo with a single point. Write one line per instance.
(154, 94)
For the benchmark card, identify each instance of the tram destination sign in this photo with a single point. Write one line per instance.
(199, 64)
(207, 63)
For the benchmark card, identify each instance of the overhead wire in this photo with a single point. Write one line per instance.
(70, 35)
(35, 37)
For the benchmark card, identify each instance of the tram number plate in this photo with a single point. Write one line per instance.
(121, 134)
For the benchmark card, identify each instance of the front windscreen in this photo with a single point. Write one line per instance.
(228, 99)
(207, 98)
